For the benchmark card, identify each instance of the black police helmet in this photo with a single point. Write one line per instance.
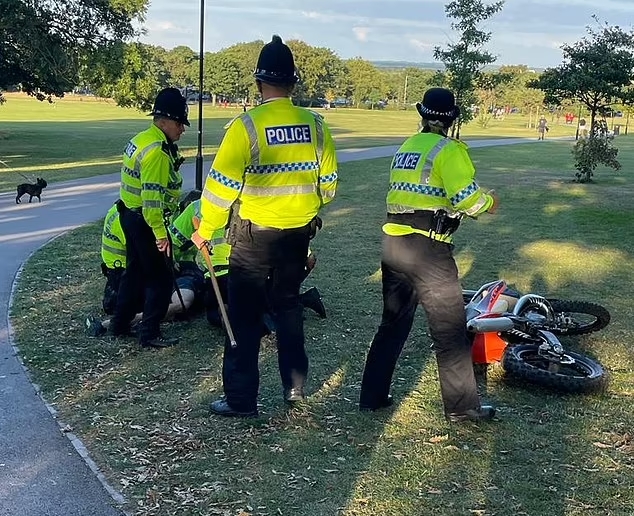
(276, 65)
(171, 104)
(187, 198)
(438, 104)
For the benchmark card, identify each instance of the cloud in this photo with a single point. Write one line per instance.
(361, 33)
(421, 45)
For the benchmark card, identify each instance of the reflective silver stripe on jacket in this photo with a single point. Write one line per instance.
(399, 208)
(131, 189)
(477, 206)
(218, 201)
(218, 241)
(429, 160)
(141, 155)
(262, 191)
(113, 250)
(152, 204)
(320, 137)
(253, 138)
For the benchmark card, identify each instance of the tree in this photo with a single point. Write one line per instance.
(363, 78)
(598, 72)
(42, 43)
(319, 69)
(135, 84)
(465, 59)
(246, 56)
(181, 63)
(221, 75)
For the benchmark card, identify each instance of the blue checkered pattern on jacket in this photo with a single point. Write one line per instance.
(132, 173)
(419, 189)
(329, 178)
(153, 187)
(464, 193)
(224, 180)
(301, 166)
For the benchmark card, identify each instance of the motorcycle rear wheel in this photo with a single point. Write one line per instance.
(582, 317)
(524, 362)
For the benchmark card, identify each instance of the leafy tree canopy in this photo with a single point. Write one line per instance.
(42, 41)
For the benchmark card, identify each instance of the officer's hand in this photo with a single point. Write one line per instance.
(311, 261)
(199, 241)
(496, 202)
(315, 225)
(163, 245)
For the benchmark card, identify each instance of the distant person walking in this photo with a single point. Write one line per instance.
(542, 128)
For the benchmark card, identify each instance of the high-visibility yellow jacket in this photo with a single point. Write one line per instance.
(182, 229)
(279, 160)
(149, 177)
(113, 240)
(431, 172)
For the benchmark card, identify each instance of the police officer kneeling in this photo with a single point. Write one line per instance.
(432, 185)
(279, 161)
(150, 188)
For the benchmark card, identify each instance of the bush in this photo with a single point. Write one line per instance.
(592, 152)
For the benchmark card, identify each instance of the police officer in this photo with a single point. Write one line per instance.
(279, 161)
(432, 185)
(150, 189)
(113, 258)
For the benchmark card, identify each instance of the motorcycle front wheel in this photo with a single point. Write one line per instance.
(523, 362)
(578, 317)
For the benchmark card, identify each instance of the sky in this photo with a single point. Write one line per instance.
(527, 32)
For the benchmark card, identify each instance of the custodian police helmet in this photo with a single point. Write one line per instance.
(276, 64)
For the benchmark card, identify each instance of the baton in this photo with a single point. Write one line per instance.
(221, 305)
(214, 283)
(169, 256)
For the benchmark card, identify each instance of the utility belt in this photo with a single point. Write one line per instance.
(240, 228)
(436, 222)
(121, 207)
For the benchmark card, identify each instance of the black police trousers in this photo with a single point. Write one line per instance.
(267, 269)
(147, 276)
(417, 269)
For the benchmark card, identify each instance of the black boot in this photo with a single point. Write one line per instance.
(312, 299)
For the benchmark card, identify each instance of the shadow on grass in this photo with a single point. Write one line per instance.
(144, 415)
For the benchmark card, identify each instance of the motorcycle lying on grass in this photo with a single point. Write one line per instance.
(520, 331)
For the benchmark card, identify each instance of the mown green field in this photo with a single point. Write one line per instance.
(84, 136)
(144, 415)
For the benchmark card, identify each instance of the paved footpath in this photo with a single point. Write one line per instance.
(42, 471)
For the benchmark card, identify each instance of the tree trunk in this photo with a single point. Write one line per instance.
(627, 122)
(213, 99)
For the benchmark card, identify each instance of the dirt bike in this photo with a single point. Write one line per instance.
(520, 331)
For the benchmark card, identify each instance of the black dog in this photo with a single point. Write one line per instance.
(34, 190)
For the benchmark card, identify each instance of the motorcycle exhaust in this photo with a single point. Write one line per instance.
(489, 324)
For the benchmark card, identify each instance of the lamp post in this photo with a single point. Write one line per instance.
(199, 155)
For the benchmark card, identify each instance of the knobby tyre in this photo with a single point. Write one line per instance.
(523, 362)
(578, 317)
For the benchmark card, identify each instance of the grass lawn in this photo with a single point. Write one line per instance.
(144, 417)
(83, 136)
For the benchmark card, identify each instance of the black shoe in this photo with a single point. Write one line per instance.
(294, 395)
(483, 413)
(222, 408)
(312, 299)
(387, 402)
(94, 328)
(158, 342)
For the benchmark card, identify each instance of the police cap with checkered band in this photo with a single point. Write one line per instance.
(276, 65)
(171, 104)
(438, 104)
